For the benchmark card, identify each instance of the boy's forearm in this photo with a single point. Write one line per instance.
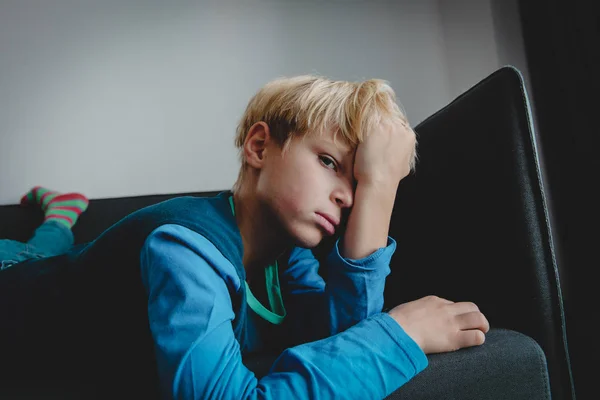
(369, 220)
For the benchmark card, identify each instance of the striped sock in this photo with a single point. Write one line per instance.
(62, 208)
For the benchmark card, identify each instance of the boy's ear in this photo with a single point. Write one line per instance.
(256, 143)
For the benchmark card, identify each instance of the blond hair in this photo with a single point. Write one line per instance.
(293, 107)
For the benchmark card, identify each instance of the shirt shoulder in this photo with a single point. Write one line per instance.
(168, 239)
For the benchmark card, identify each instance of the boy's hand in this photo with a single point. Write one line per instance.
(385, 155)
(438, 325)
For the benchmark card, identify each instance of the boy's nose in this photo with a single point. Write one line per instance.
(344, 197)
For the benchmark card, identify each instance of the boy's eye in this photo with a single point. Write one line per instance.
(328, 162)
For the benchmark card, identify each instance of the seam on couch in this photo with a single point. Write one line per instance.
(548, 226)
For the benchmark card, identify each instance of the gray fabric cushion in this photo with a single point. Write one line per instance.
(509, 365)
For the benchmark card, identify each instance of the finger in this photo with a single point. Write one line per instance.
(470, 338)
(473, 320)
(464, 307)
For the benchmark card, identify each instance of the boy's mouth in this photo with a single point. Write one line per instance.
(327, 222)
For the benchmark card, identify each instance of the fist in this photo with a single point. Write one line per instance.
(438, 325)
(387, 153)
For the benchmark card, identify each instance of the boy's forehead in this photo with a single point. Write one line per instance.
(330, 138)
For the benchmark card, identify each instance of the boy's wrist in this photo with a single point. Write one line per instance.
(379, 183)
(369, 220)
(380, 192)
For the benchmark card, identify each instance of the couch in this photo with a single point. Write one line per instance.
(472, 224)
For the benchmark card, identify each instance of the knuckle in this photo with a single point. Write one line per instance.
(480, 318)
(485, 323)
(481, 322)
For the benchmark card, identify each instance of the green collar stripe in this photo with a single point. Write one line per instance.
(273, 292)
(261, 310)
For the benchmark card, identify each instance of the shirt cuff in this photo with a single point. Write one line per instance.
(412, 350)
(383, 255)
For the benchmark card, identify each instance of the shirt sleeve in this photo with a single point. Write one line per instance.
(198, 357)
(353, 291)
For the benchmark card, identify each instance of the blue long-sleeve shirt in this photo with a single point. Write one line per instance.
(353, 293)
(190, 313)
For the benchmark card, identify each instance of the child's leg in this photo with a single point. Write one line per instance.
(61, 212)
(12, 252)
(50, 239)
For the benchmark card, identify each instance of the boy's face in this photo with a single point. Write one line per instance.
(307, 187)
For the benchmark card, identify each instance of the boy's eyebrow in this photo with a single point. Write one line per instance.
(339, 144)
(344, 150)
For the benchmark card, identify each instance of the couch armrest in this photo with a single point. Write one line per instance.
(509, 365)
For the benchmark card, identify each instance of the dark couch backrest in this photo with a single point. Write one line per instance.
(472, 222)
(18, 223)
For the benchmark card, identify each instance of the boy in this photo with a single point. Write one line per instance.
(177, 293)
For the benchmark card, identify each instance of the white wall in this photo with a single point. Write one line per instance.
(470, 44)
(134, 97)
(480, 36)
(509, 37)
